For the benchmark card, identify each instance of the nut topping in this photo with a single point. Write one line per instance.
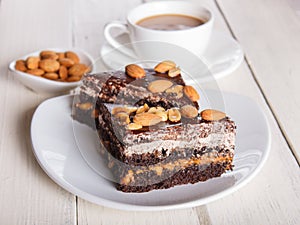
(160, 111)
(156, 109)
(117, 110)
(131, 109)
(147, 119)
(177, 89)
(128, 178)
(189, 111)
(174, 72)
(164, 66)
(163, 115)
(174, 115)
(84, 106)
(134, 126)
(158, 86)
(123, 117)
(135, 71)
(142, 109)
(127, 110)
(191, 93)
(212, 115)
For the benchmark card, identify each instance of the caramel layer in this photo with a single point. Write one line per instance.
(180, 164)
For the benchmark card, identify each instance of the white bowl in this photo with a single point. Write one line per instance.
(43, 85)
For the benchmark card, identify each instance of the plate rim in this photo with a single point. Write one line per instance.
(133, 207)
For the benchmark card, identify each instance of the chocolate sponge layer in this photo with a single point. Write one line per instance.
(192, 174)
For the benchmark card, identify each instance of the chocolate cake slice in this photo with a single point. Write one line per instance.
(118, 88)
(148, 121)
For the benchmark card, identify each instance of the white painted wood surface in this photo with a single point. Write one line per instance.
(269, 32)
(28, 196)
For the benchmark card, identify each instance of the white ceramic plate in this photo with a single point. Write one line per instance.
(222, 56)
(42, 85)
(55, 148)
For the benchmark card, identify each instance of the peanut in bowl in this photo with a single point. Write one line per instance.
(54, 70)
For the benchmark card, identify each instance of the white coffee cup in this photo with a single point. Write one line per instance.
(194, 39)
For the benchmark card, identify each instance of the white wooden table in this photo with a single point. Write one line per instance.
(269, 32)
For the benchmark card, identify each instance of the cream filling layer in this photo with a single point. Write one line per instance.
(213, 140)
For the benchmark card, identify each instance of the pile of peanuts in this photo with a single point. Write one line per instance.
(57, 66)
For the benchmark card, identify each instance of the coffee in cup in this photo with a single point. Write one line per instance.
(170, 22)
(184, 24)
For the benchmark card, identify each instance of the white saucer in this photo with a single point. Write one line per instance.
(222, 56)
(55, 148)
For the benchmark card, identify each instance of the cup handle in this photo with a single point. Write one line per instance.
(112, 40)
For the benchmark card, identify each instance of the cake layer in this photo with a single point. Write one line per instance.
(198, 135)
(118, 88)
(188, 175)
(135, 177)
(151, 145)
(151, 128)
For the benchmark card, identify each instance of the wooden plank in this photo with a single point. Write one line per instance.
(94, 214)
(273, 196)
(27, 195)
(270, 32)
(89, 18)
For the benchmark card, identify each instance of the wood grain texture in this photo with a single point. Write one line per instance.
(89, 18)
(269, 31)
(273, 196)
(94, 214)
(27, 195)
